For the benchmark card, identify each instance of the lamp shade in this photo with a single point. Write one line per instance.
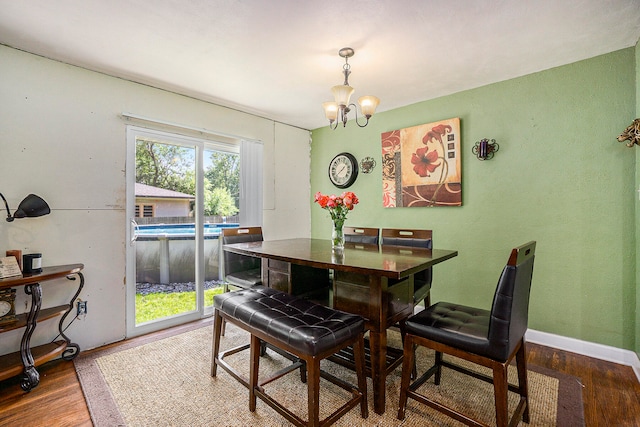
(368, 105)
(330, 110)
(342, 94)
(32, 206)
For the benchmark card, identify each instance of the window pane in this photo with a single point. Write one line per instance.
(165, 247)
(222, 186)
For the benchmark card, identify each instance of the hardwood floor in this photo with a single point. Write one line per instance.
(56, 401)
(611, 392)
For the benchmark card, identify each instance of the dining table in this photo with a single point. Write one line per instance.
(375, 282)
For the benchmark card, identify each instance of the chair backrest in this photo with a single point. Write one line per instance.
(234, 263)
(407, 237)
(510, 309)
(414, 239)
(361, 235)
(241, 235)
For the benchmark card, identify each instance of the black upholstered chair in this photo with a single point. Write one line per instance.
(488, 338)
(241, 271)
(414, 239)
(369, 236)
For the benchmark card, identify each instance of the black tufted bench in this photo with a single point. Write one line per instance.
(307, 330)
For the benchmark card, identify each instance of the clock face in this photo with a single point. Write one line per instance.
(5, 308)
(343, 170)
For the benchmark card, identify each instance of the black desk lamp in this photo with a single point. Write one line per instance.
(31, 206)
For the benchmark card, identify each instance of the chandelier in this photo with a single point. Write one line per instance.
(337, 111)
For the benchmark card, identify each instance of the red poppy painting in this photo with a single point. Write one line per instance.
(421, 165)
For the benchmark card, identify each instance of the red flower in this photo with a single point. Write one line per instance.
(424, 161)
(349, 199)
(436, 132)
(338, 206)
(322, 200)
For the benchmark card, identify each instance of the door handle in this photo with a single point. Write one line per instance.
(134, 231)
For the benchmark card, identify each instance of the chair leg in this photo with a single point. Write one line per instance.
(403, 331)
(313, 387)
(500, 388)
(408, 355)
(303, 372)
(438, 363)
(358, 355)
(402, 325)
(225, 288)
(521, 362)
(253, 371)
(215, 348)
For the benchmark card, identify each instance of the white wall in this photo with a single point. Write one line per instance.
(62, 138)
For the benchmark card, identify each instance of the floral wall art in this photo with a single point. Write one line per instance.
(421, 165)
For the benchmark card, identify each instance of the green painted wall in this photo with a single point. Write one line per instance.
(560, 178)
(637, 150)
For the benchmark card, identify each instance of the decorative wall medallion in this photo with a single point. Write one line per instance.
(367, 164)
(485, 148)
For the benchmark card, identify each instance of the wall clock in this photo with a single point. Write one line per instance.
(7, 307)
(343, 170)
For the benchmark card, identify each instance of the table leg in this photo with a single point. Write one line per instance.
(378, 312)
(378, 345)
(369, 296)
(72, 349)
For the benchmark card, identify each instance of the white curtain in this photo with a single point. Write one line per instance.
(251, 183)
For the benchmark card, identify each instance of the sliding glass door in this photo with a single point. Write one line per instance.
(180, 192)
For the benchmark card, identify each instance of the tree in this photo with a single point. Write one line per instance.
(165, 166)
(225, 173)
(218, 201)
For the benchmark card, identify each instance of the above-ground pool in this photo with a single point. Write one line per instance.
(179, 230)
(165, 253)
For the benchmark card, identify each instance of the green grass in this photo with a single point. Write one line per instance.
(155, 306)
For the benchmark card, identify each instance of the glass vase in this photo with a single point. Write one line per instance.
(337, 236)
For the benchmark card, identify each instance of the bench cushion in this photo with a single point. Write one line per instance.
(305, 326)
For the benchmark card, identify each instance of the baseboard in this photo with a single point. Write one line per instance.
(598, 351)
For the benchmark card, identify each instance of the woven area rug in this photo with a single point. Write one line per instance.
(165, 381)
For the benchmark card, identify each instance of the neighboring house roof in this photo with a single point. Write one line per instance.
(144, 190)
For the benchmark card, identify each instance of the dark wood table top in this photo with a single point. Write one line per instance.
(389, 261)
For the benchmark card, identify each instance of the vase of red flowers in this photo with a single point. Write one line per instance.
(338, 207)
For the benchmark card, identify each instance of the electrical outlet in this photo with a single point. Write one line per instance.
(82, 308)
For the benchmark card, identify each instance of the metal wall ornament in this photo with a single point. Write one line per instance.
(631, 134)
(367, 164)
(485, 149)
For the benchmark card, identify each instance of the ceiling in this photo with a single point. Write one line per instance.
(279, 59)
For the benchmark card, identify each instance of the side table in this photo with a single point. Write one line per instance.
(27, 359)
